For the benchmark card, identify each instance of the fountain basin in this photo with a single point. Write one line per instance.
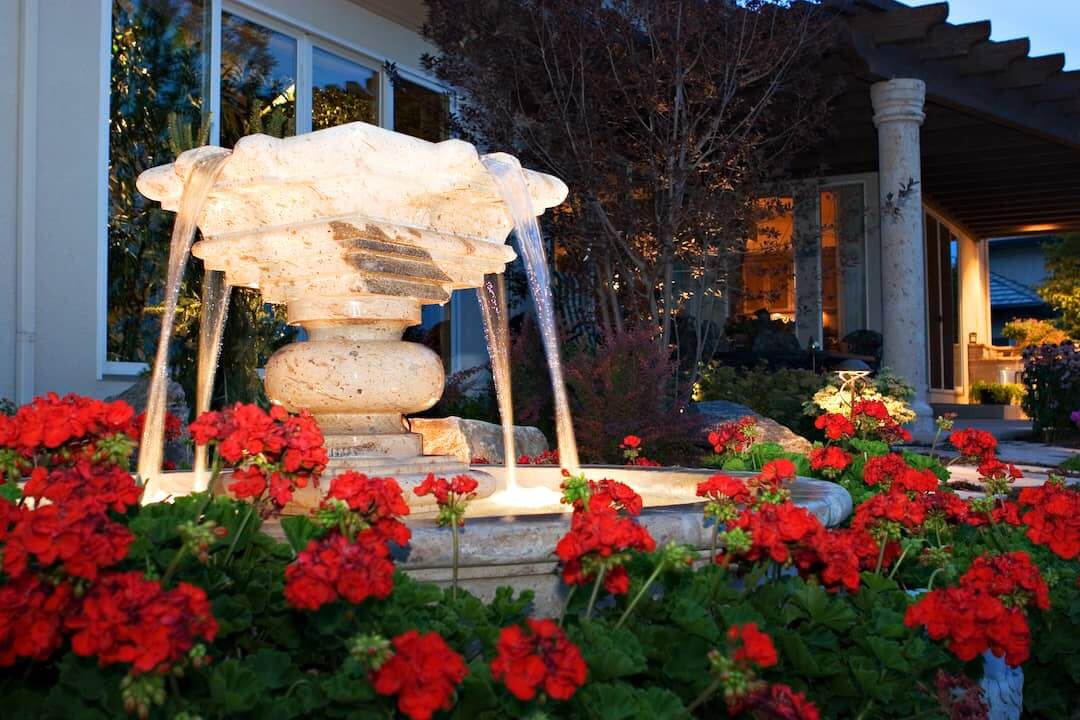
(506, 543)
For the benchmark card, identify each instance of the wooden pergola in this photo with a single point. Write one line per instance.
(1001, 139)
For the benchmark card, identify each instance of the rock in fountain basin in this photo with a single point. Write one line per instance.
(354, 228)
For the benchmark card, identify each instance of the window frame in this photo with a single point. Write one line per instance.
(307, 36)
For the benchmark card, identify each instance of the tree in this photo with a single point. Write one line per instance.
(668, 121)
(1061, 289)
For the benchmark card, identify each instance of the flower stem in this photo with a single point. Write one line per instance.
(898, 561)
(930, 583)
(455, 553)
(715, 536)
(240, 531)
(174, 565)
(880, 557)
(566, 605)
(705, 695)
(595, 592)
(641, 593)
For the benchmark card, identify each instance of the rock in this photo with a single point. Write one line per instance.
(178, 451)
(467, 439)
(716, 412)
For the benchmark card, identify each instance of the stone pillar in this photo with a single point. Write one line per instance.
(806, 241)
(898, 113)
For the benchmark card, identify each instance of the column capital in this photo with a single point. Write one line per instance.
(899, 100)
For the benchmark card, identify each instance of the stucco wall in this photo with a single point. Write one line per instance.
(9, 138)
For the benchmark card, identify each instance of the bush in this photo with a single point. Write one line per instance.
(989, 393)
(1051, 379)
(1031, 331)
(628, 385)
(779, 394)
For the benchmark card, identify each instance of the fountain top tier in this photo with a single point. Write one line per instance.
(352, 211)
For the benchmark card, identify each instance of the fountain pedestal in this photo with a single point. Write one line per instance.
(354, 229)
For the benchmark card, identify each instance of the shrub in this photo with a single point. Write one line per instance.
(989, 393)
(628, 385)
(779, 394)
(885, 386)
(1032, 331)
(1051, 378)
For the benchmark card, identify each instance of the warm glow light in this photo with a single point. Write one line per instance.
(1045, 227)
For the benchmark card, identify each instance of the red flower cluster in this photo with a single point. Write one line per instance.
(126, 618)
(600, 537)
(986, 610)
(1052, 517)
(724, 495)
(452, 496)
(272, 451)
(752, 647)
(779, 701)
(378, 502)
(830, 461)
(548, 457)
(871, 417)
(774, 530)
(423, 672)
(835, 425)
(52, 431)
(538, 656)
(31, 617)
(634, 454)
(994, 470)
(974, 445)
(598, 541)
(333, 568)
(630, 442)
(838, 556)
(892, 507)
(736, 437)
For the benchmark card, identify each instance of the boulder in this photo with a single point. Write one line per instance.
(468, 439)
(715, 412)
(177, 451)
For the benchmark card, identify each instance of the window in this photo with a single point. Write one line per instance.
(843, 262)
(269, 77)
(768, 268)
(342, 91)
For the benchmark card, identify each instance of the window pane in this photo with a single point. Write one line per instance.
(158, 74)
(342, 91)
(768, 268)
(843, 262)
(420, 111)
(258, 80)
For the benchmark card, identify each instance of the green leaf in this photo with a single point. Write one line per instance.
(821, 607)
(299, 530)
(609, 652)
(10, 491)
(274, 668)
(234, 688)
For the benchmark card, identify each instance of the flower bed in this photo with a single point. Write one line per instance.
(187, 609)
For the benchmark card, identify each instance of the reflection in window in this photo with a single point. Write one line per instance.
(158, 76)
(420, 111)
(768, 268)
(843, 262)
(258, 80)
(342, 91)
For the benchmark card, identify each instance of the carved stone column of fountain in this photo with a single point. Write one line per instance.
(355, 228)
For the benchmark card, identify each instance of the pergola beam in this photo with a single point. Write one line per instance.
(904, 24)
(1030, 72)
(949, 41)
(989, 57)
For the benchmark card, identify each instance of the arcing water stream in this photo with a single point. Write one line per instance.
(196, 190)
(510, 181)
(215, 309)
(493, 309)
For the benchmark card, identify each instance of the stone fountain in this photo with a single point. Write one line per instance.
(354, 228)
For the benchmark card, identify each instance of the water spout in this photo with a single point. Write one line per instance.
(215, 309)
(493, 309)
(197, 188)
(510, 181)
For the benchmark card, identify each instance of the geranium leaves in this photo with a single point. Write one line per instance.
(610, 653)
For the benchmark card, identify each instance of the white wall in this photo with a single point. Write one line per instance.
(9, 140)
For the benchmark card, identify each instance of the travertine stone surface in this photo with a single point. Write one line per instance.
(898, 114)
(354, 228)
(469, 439)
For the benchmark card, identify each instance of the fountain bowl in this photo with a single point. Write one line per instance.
(509, 537)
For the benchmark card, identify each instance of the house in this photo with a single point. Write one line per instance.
(1017, 269)
(940, 141)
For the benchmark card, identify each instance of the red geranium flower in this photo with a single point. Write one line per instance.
(31, 618)
(735, 437)
(830, 461)
(598, 541)
(379, 502)
(835, 425)
(1052, 516)
(631, 442)
(974, 445)
(452, 496)
(538, 656)
(423, 672)
(125, 618)
(333, 568)
(752, 647)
